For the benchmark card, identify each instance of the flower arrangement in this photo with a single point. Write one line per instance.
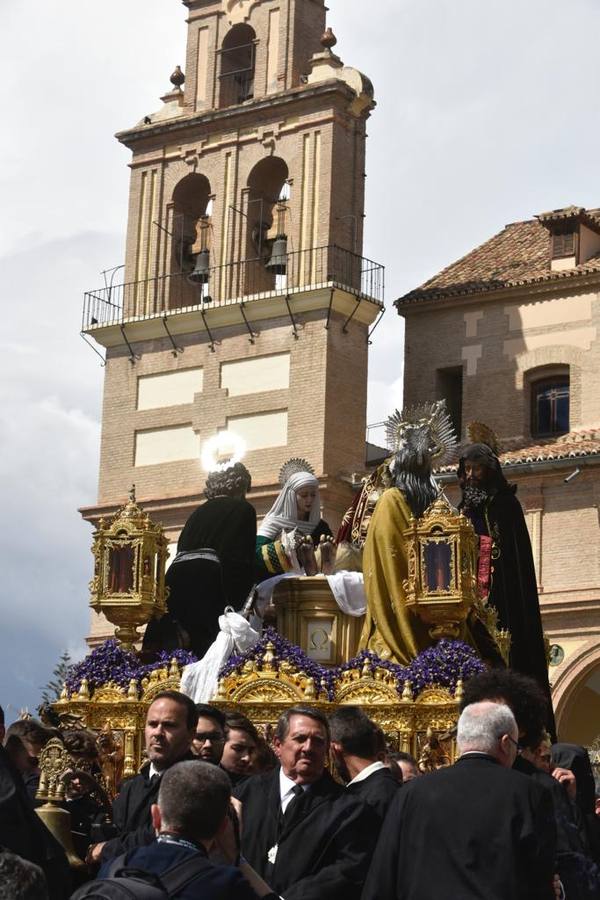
(111, 663)
(443, 665)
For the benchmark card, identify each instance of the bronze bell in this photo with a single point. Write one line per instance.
(200, 272)
(277, 264)
(58, 822)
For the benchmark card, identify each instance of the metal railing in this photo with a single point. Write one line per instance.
(236, 79)
(234, 283)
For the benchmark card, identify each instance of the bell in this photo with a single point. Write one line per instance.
(277, 264)
(199, 274)
(58, 822)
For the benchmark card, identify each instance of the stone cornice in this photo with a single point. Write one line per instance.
(234, 117)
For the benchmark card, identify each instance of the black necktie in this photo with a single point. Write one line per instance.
(286, 817)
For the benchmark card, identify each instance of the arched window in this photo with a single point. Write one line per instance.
(191, 199)
(550, 390)
(238, 59)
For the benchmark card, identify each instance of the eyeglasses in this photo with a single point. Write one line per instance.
(214, 737)
(516, 743)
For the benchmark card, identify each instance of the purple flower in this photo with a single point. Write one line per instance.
(110, 662)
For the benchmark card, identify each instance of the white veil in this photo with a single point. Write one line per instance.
(283, 515)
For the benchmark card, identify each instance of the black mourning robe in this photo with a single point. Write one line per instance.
(473, 831)
(377, 791)
(513, 589)
(200, 589)
(323, 851)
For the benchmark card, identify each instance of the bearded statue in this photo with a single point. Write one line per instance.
(507, 578)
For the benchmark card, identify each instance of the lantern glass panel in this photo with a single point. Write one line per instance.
(120, 569)
(438, 565)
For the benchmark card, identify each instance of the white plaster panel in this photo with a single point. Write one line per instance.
(250, 376)
(163, 445)
(562, 263)
(169, 388)
(471, 320)
(471, 355)
(573, 337)
(261, 430)
(559, 311)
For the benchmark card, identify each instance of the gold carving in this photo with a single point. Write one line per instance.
(442, 584)
(129, 571)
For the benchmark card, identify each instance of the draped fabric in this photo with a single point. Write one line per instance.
(390, 629)
(283, 515)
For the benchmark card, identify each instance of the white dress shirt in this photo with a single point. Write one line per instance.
(286, 790)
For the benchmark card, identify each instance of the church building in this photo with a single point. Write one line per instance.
(246, 303)
(509, 336)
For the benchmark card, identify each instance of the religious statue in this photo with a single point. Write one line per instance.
(506, 574)
(420, 438)
(293, 527)
(214, 565)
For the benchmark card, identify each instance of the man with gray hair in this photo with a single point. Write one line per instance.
(476, 830)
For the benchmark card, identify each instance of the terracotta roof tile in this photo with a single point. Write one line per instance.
(575, 445)
(519, 254)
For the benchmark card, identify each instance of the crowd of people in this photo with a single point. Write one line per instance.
(325, 810)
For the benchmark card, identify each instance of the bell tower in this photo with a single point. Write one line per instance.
(246, 304)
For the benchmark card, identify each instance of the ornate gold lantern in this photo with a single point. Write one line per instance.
(129, 572)
(442, 569)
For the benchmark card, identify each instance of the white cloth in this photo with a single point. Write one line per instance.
(283, 515)
(374, 767)
(200, 679)
(286, 790)
(347, 588)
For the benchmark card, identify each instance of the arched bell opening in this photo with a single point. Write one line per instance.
(191, 241)
(267, 224)
(238, 62)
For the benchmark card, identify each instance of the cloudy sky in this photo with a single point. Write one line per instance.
(487, 113)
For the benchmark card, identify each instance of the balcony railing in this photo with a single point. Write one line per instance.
(234, 283)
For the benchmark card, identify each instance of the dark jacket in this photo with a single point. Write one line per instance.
(377, 791)
(131, 813)
(214, 882)
(322, 852)
(23, 832)
(473, 831)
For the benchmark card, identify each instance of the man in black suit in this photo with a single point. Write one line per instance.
(170, 729)
(302, 832)
(476, 831)
(354, 746)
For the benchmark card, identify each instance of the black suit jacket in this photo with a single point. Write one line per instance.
(322, 853)
(131, 813)
(377, 791)
(473, 831)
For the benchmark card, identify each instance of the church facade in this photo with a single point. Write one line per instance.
(246, 305)
(510, 336)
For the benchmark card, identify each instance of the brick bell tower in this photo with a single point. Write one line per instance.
(246, 304)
